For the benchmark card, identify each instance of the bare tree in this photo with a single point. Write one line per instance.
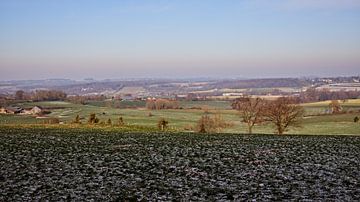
(284, 113)
(211, 124)
(205, 125)
(251, 110)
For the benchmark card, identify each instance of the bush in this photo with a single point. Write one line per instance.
(215, 124)
(162, 124)
(205, 125)
(93, 119)
(109, 122)
(121, 121)
(77, 119)
(356, 119)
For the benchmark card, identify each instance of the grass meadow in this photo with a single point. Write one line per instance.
(317, 119)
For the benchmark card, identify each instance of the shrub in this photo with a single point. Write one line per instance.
(162, 124)
(121, 121)
(97, 120)
(207, 124)
(356, 119)
(77, 119)
(109, 122)
(93, 119)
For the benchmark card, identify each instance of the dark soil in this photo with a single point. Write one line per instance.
(77, 165)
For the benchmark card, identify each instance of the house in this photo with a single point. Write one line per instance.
(36, 110)
(13, 110)
(2, 110)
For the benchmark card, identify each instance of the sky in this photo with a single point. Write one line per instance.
(76, 39)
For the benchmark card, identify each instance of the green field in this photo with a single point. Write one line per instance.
(317, 108)
(316, 120)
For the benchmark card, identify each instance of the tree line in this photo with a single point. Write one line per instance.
(82, 99)
(40, 95)
(158, 104)
(315, 95)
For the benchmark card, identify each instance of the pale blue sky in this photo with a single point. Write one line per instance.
(178, 38)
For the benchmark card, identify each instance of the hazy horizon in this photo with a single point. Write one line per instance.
(43, 39)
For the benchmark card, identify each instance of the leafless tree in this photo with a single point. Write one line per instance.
(211, 124)
(251, 110)
(284, 112)
(205, 125)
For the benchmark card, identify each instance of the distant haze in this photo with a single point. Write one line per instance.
(178, 38)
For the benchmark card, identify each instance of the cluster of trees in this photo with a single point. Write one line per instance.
(48, 95)
(40, 95)
(78, 99)
(283, 112)
(314, 95)
(158, 104)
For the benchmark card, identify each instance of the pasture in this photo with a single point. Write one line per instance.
(317, 120)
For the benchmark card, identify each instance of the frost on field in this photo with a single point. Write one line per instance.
(58, 164)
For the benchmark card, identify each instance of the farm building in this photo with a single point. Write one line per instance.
(36, 110)
(2, 110)
(18, 110)
(11, 110)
